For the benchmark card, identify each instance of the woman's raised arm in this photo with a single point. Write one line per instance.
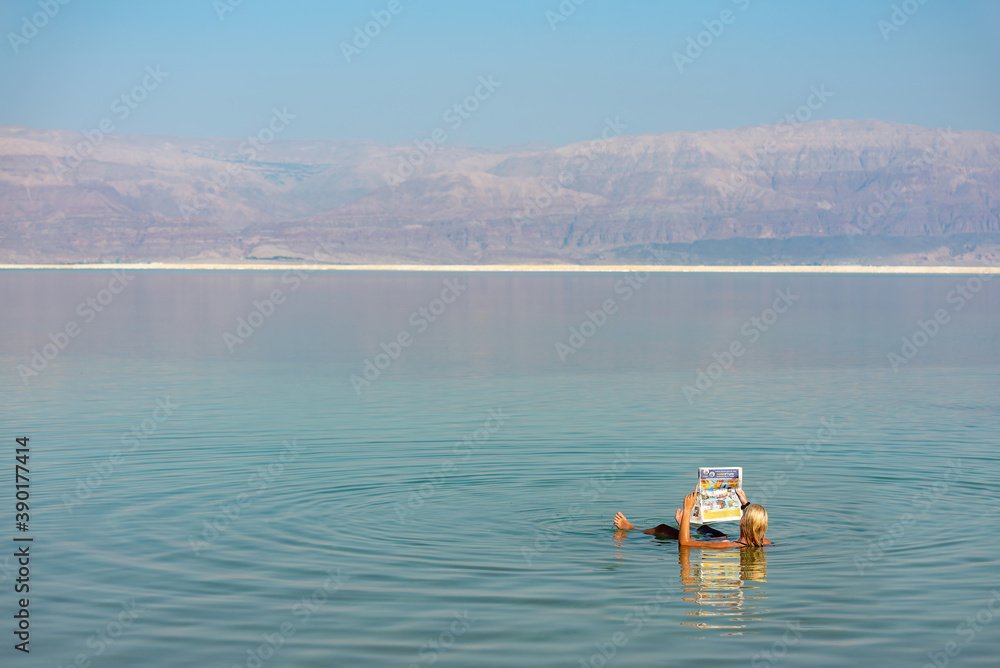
(685, 532)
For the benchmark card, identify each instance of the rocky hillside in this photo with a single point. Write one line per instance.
(823, 192)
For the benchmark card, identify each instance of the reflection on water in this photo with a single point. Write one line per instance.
(725, 586)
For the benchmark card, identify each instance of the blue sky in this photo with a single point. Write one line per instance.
(607, 59)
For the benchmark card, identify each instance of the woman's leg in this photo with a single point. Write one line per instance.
(667, 531)
(663, 531)
(709, 531)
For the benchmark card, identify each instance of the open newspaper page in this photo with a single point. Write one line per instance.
(717, 500)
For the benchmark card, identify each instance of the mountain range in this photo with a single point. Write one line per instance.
(825, 192)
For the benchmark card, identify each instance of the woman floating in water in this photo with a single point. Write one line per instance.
(753, 526)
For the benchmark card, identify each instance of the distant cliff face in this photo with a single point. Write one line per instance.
(77, 197)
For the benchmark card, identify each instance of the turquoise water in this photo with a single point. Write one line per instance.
(193, 506)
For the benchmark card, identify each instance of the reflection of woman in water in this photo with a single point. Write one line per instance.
(753, 565)
(753, 526)
(726, 587)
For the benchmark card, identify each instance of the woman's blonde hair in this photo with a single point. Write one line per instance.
(754, 524)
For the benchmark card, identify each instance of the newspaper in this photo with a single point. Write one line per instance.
(717, 500)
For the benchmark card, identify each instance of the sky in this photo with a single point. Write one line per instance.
(545, 71)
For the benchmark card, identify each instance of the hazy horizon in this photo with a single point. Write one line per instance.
(540, 145)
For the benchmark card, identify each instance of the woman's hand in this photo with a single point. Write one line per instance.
(689, 501)
(743, 497)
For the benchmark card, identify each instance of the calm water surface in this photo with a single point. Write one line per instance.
(206, 493)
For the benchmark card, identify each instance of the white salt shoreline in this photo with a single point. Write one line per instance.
(538, 268)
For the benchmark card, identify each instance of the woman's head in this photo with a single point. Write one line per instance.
(753, 526)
